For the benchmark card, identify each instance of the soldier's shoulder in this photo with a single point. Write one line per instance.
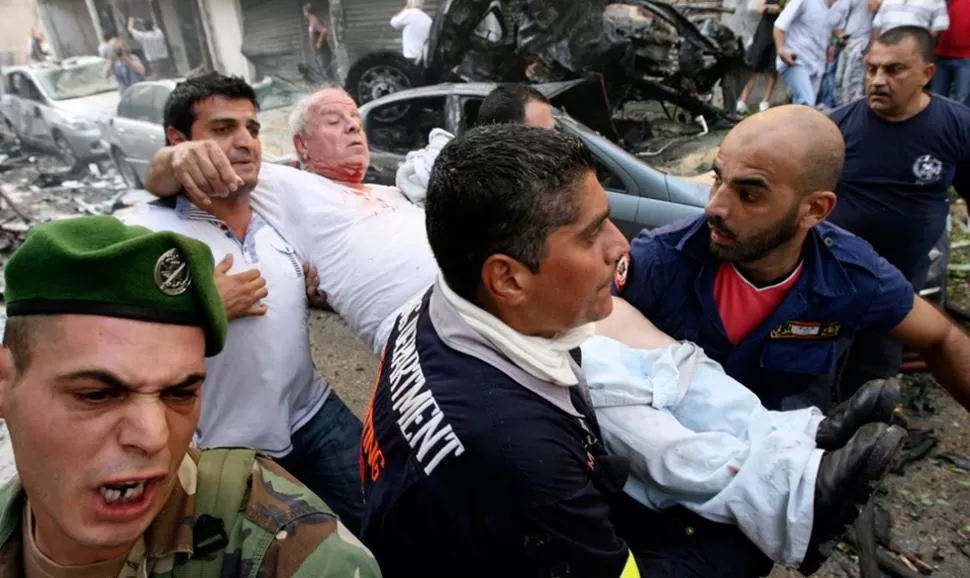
(299, 535)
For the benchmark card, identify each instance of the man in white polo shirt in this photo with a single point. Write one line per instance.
(263, 390)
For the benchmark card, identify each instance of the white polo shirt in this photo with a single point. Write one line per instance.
(370, 249)
(263, 386)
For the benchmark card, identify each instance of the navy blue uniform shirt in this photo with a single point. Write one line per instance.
(469, 473)
(789, 361)
(893, 188)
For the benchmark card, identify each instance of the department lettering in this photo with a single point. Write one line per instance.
(419, 418)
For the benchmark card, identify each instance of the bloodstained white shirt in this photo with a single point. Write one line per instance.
(370, 248)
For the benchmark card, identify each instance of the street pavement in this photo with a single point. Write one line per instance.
(344, 359)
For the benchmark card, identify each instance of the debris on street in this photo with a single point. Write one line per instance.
(36, 188)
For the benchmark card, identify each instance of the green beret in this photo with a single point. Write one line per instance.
(100, 266)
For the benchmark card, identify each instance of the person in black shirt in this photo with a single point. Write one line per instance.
(761, 56)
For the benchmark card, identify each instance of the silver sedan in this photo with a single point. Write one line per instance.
(137, 132)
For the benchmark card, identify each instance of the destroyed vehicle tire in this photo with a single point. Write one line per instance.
(65, 152)
(127, 172)
(379, 74)
(8, 134)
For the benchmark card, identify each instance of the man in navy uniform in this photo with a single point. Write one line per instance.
(766, 287)
(480, 452)
(904, 149)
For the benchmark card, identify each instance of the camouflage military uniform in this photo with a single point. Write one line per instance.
(285, 529)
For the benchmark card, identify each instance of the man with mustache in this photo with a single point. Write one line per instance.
(766, 286)
(101, 376)
(905, 148)
(264, 391)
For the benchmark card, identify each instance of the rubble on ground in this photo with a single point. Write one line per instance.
(37, 188)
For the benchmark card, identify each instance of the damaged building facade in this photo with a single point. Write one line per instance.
(251, 38)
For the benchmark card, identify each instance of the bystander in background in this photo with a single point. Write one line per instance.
(929, 14)
(127, 68)
(850, 74)
(35, 46)
(153, 44)
(318, 41)
(761, 56)
(416, 26)
(952, 77)
(802, 34)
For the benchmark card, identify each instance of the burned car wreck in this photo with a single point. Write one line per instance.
(638, 50)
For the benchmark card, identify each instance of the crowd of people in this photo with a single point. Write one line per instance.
(710, 399)
(820, 47)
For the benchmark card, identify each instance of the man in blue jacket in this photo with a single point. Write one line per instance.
(766, 286)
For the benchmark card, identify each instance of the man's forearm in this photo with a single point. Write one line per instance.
(779, 36)
(949, 361)
(160, 179)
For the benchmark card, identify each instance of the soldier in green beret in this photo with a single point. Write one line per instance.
(103, 361)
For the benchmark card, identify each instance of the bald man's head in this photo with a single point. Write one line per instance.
(775, 173)
(801, 134)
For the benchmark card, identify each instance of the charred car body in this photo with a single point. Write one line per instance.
(639, 50)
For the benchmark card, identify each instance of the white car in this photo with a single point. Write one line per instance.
(60, 107)
(136, 132)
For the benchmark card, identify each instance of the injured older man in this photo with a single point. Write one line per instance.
(694, 436)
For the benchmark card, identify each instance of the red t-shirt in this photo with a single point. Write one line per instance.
(954, 42)
(743, 307)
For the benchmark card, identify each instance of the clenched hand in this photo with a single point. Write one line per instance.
(204, 171)
(314, 295)
(240, 292)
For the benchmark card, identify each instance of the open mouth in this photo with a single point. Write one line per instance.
(125, 493)
(719, 237)
(125, 501)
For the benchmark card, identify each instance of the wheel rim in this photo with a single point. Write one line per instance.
(65, 152)
(381, 80)
(8, 133)
(127, 171)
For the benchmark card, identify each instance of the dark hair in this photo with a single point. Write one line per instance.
(501, 188)
(17, 339)
(21, 334)
(922, 36)
(506, 103)
(180, 106)
(107, 36)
